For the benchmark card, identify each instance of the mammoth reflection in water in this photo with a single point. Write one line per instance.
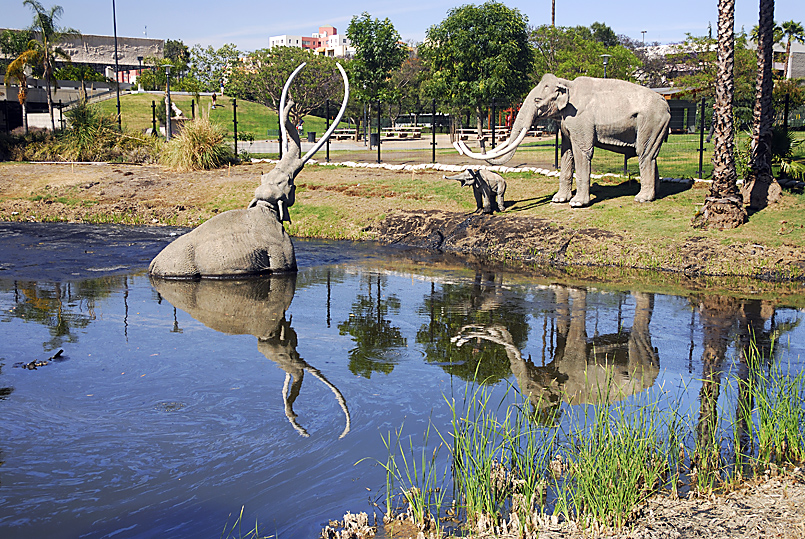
(605, 368)
(253, 307)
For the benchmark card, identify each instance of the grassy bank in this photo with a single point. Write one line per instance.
(505, 467)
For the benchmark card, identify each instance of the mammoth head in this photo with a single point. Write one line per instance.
(277, 189)
(550, 96)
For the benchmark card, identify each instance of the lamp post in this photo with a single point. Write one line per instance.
(140, 74)
(168, 101)
(606, 58)
(117, 76)
(644, 36)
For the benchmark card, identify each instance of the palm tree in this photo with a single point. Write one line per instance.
(723, 207)
(761, 188)
(794, 32)
(46, 50)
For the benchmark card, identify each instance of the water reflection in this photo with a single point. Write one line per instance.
(253, 307)
(376, 338)
(604, 368)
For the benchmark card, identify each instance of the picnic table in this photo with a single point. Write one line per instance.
(399, 133)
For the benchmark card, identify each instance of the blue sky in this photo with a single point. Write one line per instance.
(249, 24)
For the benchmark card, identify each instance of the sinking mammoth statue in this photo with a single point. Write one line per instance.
(611, 114)
(252, 240)
(253, 307)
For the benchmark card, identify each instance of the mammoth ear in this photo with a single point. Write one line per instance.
(562, 96)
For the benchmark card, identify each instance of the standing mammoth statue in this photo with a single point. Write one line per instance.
(251, 240)
(611, 114)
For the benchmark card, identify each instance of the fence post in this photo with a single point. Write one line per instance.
(327, 115)
(153, 117)
(494, 122)
(61, 115)
(785, 113)
(433, 130)
(279, 131)
(556, 148)
(378, 131)
(235, 123)
(701, 141)
(193, 108)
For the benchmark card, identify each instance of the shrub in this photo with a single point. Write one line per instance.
(199, 146)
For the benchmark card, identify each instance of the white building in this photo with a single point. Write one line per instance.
(327, 41)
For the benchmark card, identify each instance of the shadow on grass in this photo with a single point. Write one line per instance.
(630, 188)
(527, 203)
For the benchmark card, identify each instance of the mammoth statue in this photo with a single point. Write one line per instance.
(488, 189)
(251, 240)
(253, 307)
(611, 114)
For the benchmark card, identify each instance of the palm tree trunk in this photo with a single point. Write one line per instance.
(25, 116)
(761, 188)
(723, 207)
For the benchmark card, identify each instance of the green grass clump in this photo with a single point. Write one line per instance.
(199, 146)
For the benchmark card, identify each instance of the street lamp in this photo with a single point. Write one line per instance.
(140, 74)
(168, 101)
(117, 76)
(606, 58)
(644, 36)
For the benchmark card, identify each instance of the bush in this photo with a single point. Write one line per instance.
(198, 146)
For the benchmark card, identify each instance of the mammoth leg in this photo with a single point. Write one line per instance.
(565, 173)
(649, 141)
(499, 197)
(582, 159)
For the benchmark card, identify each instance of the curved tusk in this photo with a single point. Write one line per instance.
(333, 127)
(338, 396)
(464, 150)
(283, 131)
(289, 408)
(497, 152)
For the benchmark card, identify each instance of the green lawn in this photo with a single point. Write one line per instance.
(253, 118)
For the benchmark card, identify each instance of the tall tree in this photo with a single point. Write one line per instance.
(264, 75)
(760, 187)
(723, 207)
(379, 51)
(48, 34)
(479, 54)
(16, 70)
(210, 66)
(12, 44)
(792, 31)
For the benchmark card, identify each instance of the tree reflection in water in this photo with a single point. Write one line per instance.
(375, 337)
(253, 307)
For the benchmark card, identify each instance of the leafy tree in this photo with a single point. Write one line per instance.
(655, 70)
(261, 79)
(574, 52)
(378, 52)
(723, 207)
(12, 44)
(210, 66)
(407, 85)
(477, 54)
(16, 70)
(176, 51)
(604, 34)
(79, 73)
(44, 50)
(792, 31)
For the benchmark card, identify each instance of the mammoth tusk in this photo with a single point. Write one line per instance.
(334, 125)
(338, 397)
(497, 152)
(289, 413)
(283, 131)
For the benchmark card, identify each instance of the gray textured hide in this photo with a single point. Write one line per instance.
(487, 187)
(249, 241)
(252, 307)
(593, 113)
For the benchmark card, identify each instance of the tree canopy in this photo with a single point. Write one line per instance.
(210, 66)
(378, 52)
(479, 54)
(261, 79)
